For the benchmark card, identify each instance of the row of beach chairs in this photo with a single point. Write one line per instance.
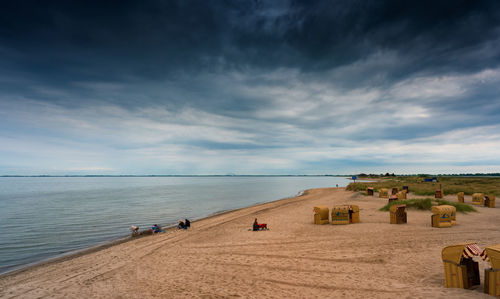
(482, 199)
(341, 214)
(346, 214)
(442, 216)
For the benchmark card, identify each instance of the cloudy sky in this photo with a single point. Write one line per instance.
(249, 87)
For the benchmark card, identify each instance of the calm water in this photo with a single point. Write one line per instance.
(42, 218)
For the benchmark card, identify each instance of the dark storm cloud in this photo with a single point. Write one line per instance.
(348, 30)
(249, 78)
(96, 40)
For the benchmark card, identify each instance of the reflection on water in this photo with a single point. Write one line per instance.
(42, 217)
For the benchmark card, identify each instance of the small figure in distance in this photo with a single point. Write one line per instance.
(155, 229)
(257, 226)
(337, 185)
(187, 223)
(134, 230)
(181, 225)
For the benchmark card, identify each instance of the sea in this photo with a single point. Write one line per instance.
(46, 217)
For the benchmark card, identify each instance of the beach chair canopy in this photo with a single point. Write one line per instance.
(340, 214)
(444, 211)
(489, 200)
(477, 196)
(340, 209)
(322, 211)
(394, 208)
(455, 253)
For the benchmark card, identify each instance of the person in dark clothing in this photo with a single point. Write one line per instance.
(187, 223)
(181, 225)
(255, 225)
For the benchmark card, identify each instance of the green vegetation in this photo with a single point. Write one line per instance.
(418, 204)
(449, 185)
(427, 203)
(461, 207)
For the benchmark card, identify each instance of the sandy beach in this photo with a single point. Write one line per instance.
(219, 257)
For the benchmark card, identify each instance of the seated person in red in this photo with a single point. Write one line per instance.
(257, 226)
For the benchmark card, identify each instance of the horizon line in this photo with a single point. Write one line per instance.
(248, 175)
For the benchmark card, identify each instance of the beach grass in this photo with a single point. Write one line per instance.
(449, 185)
(427, 203)
(461, 207)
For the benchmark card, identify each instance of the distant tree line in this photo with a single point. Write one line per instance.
(364, 175)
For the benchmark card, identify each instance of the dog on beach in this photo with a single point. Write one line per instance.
(134, 230)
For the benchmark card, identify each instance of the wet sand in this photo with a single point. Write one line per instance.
(219, 257)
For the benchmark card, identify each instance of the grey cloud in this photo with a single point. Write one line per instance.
(105, 41)
(248, 77)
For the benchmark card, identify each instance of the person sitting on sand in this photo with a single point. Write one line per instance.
(187, 223)
(181, 225)
(156, 229)
(257, 226)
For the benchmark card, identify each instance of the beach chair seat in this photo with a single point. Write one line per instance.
(383, 193)
(345, 214)
(443, 216)
(340, 214)
(397, 214)
(460, 197)
(492, 274)
(478, 199)
(460, 270)
(489, 201)
(321, 215)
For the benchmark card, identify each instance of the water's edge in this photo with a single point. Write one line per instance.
(98, 247)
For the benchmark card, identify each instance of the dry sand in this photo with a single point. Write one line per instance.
(219, 257)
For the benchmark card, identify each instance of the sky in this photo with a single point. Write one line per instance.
(249, 87)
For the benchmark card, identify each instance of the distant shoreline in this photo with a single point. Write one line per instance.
(120, 240)
(244, 175)
(174, 175)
